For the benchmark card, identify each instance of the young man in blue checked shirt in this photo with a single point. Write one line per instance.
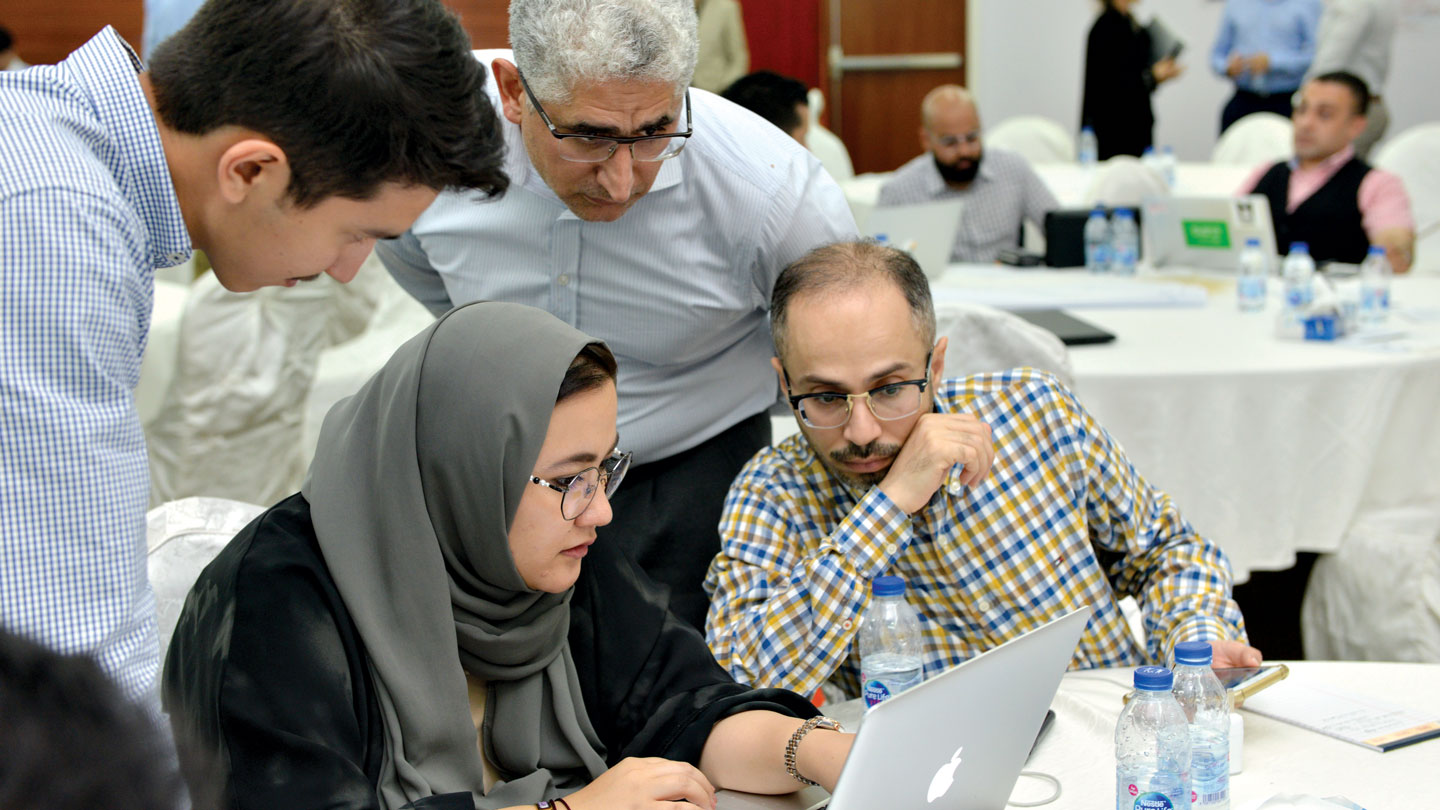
(283, 139)
(997, 497)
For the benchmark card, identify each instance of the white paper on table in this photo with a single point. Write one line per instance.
(1345, 715)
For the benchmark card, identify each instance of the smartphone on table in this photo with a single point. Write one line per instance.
(1242, 682)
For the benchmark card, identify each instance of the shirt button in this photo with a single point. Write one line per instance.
(176, 258)
(891, 548)
(846, 624)
(564, 280)
(982, 604)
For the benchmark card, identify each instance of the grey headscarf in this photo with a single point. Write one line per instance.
(413, 489)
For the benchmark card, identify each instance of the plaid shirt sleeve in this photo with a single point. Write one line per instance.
(1181, 580)
(785, 598)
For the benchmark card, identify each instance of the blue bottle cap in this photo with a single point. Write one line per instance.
(1154, 679)
(888, 586)
(1124, 213)
(1377, 249)
(1252, 242)
(1299, 247)
(1194, 652)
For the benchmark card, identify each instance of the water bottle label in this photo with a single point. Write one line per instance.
(1252, 287)
(875, 691)
(1137, 792)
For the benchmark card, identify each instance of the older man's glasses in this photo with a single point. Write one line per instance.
(889, 402)
(578, 490)
(583, 148)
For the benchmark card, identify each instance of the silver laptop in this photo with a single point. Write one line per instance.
(926, 230)
(1205, 232)
(959, 740)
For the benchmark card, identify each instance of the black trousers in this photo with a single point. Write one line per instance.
(1245, 102)
(667, 512)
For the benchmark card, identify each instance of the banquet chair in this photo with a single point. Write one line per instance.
(1377, 598)
(1414, 155)
(181, 538)
(984, 339)
(1256, 139)
(1035, 138)
(1124, 181)
(825, 144)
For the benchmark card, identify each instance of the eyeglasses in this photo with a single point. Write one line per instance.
(578, 490)
(889, 402)
(952, 141)
(581, 148)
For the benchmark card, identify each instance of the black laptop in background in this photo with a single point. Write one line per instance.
(1071, 330)
(1065, 235)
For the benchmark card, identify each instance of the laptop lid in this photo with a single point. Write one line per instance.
(926, 230)
(959, 740)
(1205, 232)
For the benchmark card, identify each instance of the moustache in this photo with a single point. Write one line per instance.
(855, 452)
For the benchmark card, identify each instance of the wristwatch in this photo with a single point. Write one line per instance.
(819, 721)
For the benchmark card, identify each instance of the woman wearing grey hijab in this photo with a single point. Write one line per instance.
(430, 624)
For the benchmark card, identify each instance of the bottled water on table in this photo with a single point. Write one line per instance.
(1207, 706)
(1168, 166)
(1152, 747)
(1375, 275)
(890, 644)
(1124, 243)
(1253, 276)
(1088, 151)
(1097, 241)
(1298, 272)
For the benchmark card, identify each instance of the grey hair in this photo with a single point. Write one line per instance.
(844, 266)
(560, 43)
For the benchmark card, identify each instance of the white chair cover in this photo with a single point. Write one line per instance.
(1255, 139)
(1414, 155)
(230, 422)
(825, 144)
(1378, 597)
(1125, 181)
(984, 339)
(1037, 139)
(182, 537)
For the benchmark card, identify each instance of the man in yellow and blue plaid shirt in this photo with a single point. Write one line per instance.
(893, 473)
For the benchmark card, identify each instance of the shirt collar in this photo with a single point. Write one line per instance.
(1332, 163)
(108, 69)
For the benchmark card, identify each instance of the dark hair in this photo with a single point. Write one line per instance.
(843, 266)
(592, 367)
(6, 41)
(357, 93)
(1356, 85)
(770, 96)
(70, 741)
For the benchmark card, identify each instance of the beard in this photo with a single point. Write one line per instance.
(854, 452)
(962, 172)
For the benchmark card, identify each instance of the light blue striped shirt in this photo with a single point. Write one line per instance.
(1285, 30)
(87, 213)
(679, 287)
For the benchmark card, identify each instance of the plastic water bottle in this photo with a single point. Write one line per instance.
(1088, 150)
(1150, 159)
(1298, 272)
(1375, 286)
(1168, 166)
(1124, 243)
(1097, 241)
(1207, 706)
(890, 645)
(1252, 278)
(1152, 747)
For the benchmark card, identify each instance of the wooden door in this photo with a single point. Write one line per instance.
(880, 59)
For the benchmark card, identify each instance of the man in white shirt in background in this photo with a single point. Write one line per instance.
(654, 218)
(999, 188)
(1356, 36)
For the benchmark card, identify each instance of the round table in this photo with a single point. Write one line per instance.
(1278, 758)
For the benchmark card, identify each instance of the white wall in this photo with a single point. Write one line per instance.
(1027, 57)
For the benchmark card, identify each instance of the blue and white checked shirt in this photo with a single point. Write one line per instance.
(679, 287)
(1283, 29)
(87, 212)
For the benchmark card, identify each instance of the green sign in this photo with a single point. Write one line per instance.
(1206, 233)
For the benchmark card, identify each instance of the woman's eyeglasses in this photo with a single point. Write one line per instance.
(578, 490)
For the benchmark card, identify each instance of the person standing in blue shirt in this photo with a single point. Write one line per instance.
(652, 216)
(281, 138)
(1265, 47)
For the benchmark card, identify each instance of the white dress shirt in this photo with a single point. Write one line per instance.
(679, 287)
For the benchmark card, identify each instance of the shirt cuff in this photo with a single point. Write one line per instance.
(876, 531)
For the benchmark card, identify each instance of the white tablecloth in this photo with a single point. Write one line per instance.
(1278, 757)
(1268, 446)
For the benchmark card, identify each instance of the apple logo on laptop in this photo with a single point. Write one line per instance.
(944, 777)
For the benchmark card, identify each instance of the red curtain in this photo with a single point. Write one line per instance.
(783, 36)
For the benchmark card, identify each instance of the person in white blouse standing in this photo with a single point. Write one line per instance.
(1356, 36)
(724, 55)
(654, 217)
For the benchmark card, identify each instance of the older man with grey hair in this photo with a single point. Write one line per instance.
(654, 217)
(999, 188)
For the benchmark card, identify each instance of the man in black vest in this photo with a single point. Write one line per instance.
(1326, 196)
